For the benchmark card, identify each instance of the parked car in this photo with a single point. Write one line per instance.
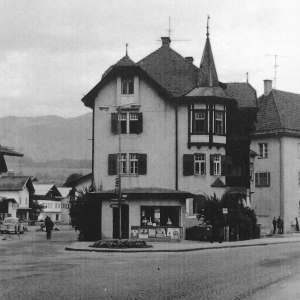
(12, 225)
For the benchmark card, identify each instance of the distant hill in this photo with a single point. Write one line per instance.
(48, 138)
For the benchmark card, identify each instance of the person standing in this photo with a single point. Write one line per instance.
(280, 225)
(274, 225)
(49, 226)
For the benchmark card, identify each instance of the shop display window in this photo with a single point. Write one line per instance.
(160, 216)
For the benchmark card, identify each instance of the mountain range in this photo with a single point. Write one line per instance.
(47, 138)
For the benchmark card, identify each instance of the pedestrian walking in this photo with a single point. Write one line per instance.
(274, 225)
(49, 226)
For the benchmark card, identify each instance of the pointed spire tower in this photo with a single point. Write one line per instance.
(207, 75)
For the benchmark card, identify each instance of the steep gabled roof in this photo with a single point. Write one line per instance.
(170, 70)
(243, 92)
(279, 112)
(16, 183)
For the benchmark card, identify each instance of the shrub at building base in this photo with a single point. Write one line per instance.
(120, 244)
(85, 213)
(240, 219)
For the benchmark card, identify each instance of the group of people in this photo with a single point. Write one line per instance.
(278, 223)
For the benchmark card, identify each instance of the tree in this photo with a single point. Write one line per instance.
(240, 219)
(36, 209)
(72, 177)
(85, 213)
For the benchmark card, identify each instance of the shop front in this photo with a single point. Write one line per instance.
(146, 213)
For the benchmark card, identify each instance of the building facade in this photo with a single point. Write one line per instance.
(277, 168)
(180, 129)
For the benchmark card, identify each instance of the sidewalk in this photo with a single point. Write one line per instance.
(185, 245)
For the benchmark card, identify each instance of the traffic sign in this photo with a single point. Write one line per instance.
(225, 211)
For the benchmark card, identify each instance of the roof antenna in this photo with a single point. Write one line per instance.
(275, 66)
(126, 49)
(247, 76)
(207, 27)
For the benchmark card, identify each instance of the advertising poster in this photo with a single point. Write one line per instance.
(160, 232)
(143, 233)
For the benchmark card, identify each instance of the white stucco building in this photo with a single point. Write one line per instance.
(49, 196)
(183, 135)
(277, 168)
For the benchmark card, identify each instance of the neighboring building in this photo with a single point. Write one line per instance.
(14, 190)
(277, 169)
(65, 204)
(181, 130)
(19, 188)
(49, 196)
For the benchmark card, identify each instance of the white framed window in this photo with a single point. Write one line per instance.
(199, 161)
(123, 163)
(127, 85)
(133, 161)
(263, 150)
(262, 179)
(217, 164)
(200, 122)
(133, 123)
(219, 122)
(123, 122)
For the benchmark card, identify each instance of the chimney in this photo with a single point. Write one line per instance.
(189, 59)
(166, 41)
(267, 86)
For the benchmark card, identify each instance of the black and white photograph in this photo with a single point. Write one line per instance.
(149, 150)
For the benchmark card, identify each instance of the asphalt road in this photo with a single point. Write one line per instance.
(33, 267)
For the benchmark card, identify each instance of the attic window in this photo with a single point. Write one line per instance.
(127, 86)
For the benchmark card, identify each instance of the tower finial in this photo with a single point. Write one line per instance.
(247, 76)
(207, 27)
(126, 49)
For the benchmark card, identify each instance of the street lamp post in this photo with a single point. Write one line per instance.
(119, 107)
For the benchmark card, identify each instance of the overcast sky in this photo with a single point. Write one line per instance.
(54, 52)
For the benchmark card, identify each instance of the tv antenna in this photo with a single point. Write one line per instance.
(169, 32)
(275, 66)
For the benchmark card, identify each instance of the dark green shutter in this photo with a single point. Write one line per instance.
(223, 165)
(140, 122)
(112, 164)
(114, 123)
(188, 164)
(142, 164)
(228, 165)
(269, 178)
(212, 164)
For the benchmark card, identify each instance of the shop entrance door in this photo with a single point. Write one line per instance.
(124, 222)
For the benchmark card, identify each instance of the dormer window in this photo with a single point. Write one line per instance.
(127, 86)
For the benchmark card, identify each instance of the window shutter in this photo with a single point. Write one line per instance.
(142, 164)
(211, 164)
(269, 182)
(114, 123)
(228, 165)
(140, 123)
(112, 164)
(188, 164)
(223, 165)
(256, 179)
